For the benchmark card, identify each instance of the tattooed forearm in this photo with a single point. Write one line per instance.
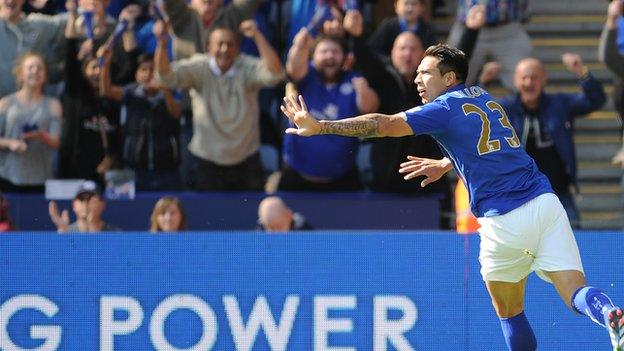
(366, 126)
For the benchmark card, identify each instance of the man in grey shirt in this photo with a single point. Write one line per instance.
(224, 86)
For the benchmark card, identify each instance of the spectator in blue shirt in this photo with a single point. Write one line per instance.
(544, 122)
(332, 94)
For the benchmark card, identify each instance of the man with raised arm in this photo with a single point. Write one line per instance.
(524, 227)
(224, 86)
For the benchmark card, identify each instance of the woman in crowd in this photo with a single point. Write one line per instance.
(29, 129)
(168, 216)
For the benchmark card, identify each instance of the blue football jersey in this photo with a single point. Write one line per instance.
(474, 132)
(327, 156)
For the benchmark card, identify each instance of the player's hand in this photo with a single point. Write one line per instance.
(155, 84)
(35, 135)
(615, 9)
(360, 84)
(88, 5)
(105, 165)
(248, 28)
(489, 72)
(105, 53)
(60, 220)
(431, 169)
(18, 146)
(303, 39)
(475, 18)
(130, 14)
(574, 63)
(160, 29)
(353, 23)
(297, 113)
(71, 6)
(86, 48)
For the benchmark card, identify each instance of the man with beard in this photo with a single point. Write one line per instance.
(332, 94)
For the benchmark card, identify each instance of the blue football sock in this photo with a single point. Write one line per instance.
(592, 302)
(518, 333)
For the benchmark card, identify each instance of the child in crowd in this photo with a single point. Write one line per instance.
(151, 126)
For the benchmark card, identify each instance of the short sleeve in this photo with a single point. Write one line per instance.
(55, 117)
(431, 118)
(55, 126)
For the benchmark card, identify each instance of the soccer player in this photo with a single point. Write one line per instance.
(524, 227)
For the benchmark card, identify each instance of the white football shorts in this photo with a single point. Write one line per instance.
(533, 237)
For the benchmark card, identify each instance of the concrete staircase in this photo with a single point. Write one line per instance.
(559, 26)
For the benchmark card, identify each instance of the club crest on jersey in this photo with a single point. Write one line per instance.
(331, 111)
(346, 88)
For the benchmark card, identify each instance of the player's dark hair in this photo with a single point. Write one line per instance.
(451, 60)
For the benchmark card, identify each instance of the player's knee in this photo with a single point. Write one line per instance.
(504, 310)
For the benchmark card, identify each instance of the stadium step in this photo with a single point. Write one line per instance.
(600, 202)
(574, 7)
(554, 87)
(598, 171)
(602, 220)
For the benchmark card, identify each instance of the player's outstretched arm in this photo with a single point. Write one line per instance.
(365, 126)
(430, 168)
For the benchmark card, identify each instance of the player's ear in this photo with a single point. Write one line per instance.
(450, 78)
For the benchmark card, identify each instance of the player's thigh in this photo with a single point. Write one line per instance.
(558, 251)
(566, 283)
(508, 245)
(507, 297)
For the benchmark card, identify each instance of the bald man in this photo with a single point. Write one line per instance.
(275, 216)
(544, 122)
(393, 80)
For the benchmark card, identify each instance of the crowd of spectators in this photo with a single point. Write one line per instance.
(184, 94)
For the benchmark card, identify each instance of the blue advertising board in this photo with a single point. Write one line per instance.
(239, 211)
(333, 291)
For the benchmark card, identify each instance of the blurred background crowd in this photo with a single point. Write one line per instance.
(184, 96)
